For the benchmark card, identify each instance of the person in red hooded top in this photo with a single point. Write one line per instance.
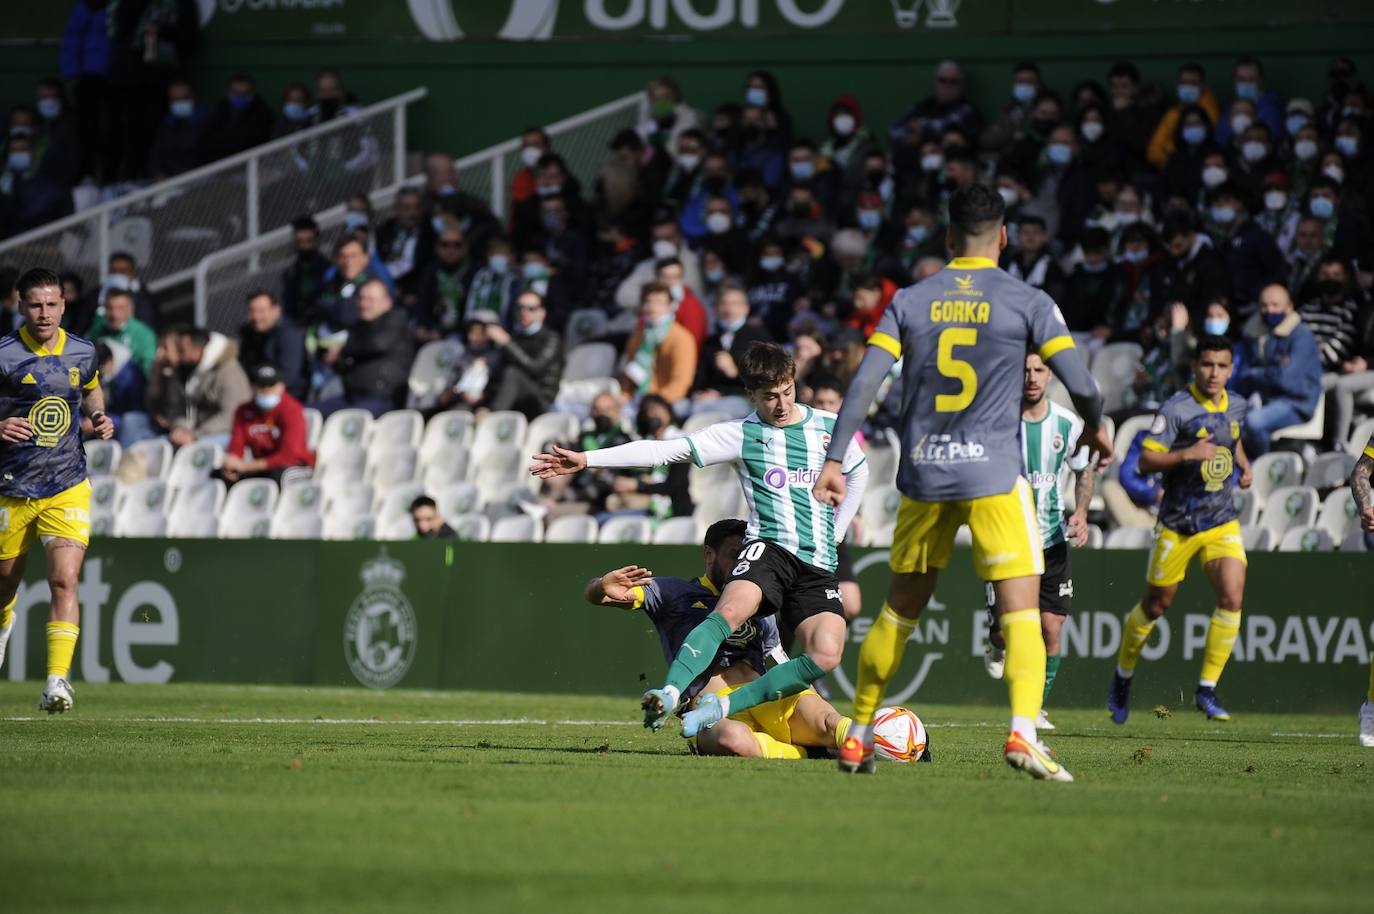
(272, 427)
(872, 294)
(689, 310)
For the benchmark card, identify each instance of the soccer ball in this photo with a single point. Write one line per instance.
(899, 735)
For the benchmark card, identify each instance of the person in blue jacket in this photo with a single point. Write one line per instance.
(1281, 365)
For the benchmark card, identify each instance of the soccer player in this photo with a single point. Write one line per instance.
(47, 377)
(963, 332)
(1195, 442)
(1050, 436)
(1364, 502)
(787, 564)
(777, 729)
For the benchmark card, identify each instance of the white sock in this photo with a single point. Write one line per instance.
(862, 732)
(724, 706)
(1124, 674)
(674, 696)
(1026, 728)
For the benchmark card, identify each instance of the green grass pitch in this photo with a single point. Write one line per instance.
(215, 798)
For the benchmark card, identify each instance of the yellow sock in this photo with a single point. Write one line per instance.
(1370, 696)
(7, 611)
(771, 748)
(1025, 661)
(842, 728)
(61, 646)
(879, 657)
(1135, 631)
(1221, 634)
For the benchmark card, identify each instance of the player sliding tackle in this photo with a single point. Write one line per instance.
(47, 377)
(963, 335)
(787, 563)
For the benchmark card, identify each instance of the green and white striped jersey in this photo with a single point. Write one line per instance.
(1049, 449)
(777, 468)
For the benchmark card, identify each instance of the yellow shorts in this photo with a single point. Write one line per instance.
(1006, 534)
(1170, 557)
(771, 717)
(66, 515)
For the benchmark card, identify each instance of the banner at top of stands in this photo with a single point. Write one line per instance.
(558, 20)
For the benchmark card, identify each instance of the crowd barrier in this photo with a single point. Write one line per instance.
(511, 618)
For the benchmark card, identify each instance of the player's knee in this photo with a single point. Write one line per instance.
(826, 656)
(1230, 601)
(737, 741)
(1155, 604)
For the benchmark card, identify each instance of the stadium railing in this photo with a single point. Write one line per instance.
(225, 277)
(169, 226)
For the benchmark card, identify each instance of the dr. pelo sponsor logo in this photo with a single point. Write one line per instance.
(779, 478)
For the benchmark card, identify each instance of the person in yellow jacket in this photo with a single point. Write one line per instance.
(1192, 89)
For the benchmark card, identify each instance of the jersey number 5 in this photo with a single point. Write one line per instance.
(957, 369)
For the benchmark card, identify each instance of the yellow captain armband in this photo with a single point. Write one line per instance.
(1055, 346)
(1369, 451)
(886, 344)
(93, 383)
(638, 603)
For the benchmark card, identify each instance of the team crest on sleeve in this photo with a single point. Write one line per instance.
(1235, 429)
(74, 375)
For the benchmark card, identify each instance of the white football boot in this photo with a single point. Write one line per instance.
(994, 660)
(58, 696)
(5, 638)
(1367, 725)
(1042, 721)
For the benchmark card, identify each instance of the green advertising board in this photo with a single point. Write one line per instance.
(511, 618)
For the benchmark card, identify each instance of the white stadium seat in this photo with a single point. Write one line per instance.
(1311, 430)
(703, 418)
(1114, 369)
(1247, 505)
(1273, 470)
(194, 463)
(878, 512)
(1327, 471)
(457, 499)
(444, 433)
(1360, 435)
(141, 509)
(576, 396)
(395, 502)
(352, 498)
(584, 325)
(345, 427)
(391, 467)
(1257, 539)
(514, 528)
(500, 429)
(500, 468)
(432, 372)
(195, 510)
(395, 529)
(1127, 432)
(625, 529)
(677, 531)
(348, 525)
(104, 498)
(102, 457)
(562, 428)
(398, 428)
(1096, 538)
(1338, 516)
(471, 527)
(447, 470)
(147, 459)
(572, 528)
(1289, 507)
(299, 514)
(314, 425)
(1354, 542)
(589, 360)
(248, 509)
(347, 463)
(1306, 539)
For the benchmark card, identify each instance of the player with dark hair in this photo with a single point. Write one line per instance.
(787, 564)
(781, 729)
(48, 377)
(963, 334)
(1195, 441)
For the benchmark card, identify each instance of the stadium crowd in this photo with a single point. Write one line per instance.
(1151, 214)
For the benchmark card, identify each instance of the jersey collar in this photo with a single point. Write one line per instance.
(972, 263)
(705, 581)
(58, 344)
(1206, 401)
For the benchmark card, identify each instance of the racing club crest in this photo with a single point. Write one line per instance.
(1057, 443)
(380, 631)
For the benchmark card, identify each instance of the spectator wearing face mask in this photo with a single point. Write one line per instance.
(1253, 260)
(534, 145)
(1247, 82)
(176, 146)
(687, 307)
(123, 276)
(1279, 214)
(28, 198)
(85, 63)
(806, 166)
(660, 492)
(271, 427)
(919, 237)
(530, 360)
(762, 90)
(1005, 129)
(1256, 161)
(55, 133)
(446, 203)
(1093, 297)
(757, 149)
(661, 356)
(683, 178)
(1064, 186)
(1344, 329)
(495, 284)
(663, 114)
(1165, 366)
(1281, 365)
(848, 140)
(118, 323)
(1191, 90)
(1344, 230)
(1182, 174)
(667, 241)
(552, 179)
(724, 240)
(295, 110)
(1191, 272)
(718, 367)
(1136, 259)
(948, 106)
(1030, 260)
(302, 283)
(239, 121)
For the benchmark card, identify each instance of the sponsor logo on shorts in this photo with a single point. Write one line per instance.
(1066, 588)
(833, 595)
(778, 478)
(1001, 558)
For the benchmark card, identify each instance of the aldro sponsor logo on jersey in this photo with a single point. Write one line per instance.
(943, 449)
(778, 478)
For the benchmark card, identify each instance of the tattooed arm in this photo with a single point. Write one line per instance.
(1082, 495)
(1360, 488)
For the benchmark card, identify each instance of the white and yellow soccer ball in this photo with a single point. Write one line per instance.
(899, 735)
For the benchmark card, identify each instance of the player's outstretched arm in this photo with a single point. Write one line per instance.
(616, 587)
(562, 462)
(1362, 490)
(636, 454)
(877, 362)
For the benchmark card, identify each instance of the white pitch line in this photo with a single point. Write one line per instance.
(504, 722)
